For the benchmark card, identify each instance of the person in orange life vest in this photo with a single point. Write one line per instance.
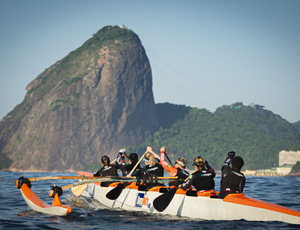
(107, 170)
(232, 181)
(177, 171)
(203, 177)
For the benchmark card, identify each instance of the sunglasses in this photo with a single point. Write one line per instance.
(179, 162)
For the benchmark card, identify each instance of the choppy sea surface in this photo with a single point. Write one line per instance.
(89, 214)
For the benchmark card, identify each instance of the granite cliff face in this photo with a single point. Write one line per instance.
(93, 102)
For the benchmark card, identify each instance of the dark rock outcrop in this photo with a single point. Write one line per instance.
(93, 102)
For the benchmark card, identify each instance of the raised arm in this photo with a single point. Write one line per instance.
(150, 150)
(209, 168)
(121, 157)
(227, 161)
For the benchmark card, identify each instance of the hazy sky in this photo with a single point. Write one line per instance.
(203, 54)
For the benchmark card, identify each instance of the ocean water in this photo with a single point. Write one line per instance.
(89, 214)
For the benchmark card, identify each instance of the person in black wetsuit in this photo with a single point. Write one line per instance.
(232, 181)
(133, 160)
(127, 168)
(151, 170)
(203, 178)
(120, 162)
(107, 170)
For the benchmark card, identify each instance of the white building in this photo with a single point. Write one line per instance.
(288, 157)
(284, 170)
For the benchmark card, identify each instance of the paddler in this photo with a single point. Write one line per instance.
(106, 170)
(203, 177)
(177, 171)
(151, 170)
(133, 159)
(232, 181)
(120, 162)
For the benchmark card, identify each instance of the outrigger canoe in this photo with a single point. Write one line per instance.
(57, 208)
(204, 206)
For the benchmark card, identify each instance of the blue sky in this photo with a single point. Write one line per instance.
(203, 54)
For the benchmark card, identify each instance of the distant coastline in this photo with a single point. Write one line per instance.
(270, 172)
(258, 173)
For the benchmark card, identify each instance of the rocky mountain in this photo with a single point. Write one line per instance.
(99, 99)
(94, 101)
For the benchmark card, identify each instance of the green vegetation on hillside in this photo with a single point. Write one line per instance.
(168, 114)
(255, 134)
(297, 126)
(70, 100)
(4, 161)
(296, 168)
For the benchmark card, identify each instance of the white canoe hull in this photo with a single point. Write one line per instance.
(233, 207)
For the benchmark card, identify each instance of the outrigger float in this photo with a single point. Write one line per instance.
(36, 204)
(133, 197)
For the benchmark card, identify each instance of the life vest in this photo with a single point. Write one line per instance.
(204, 180)
(182, 175)
(107, 171)
(155, 170)
(232, 182)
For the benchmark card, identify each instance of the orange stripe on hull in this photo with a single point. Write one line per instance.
(241, 199)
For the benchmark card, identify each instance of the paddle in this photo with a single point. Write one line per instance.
(168, 159)
(78, 190)
(90, 181)
(113, 179)
(137, 164)
(162, 202)
(108, 178)
(126, 155)
(115, 192)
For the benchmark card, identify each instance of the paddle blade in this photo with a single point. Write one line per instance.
(78, 190)
(162, 202)
(115, 192)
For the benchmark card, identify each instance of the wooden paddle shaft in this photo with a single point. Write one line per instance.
(186, 179)
(117, 179)
(55, 178)
(51, 178)
(137, 164)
